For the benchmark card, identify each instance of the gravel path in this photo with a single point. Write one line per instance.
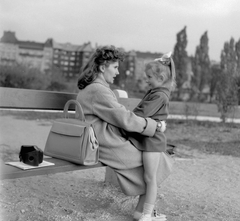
(201, 187)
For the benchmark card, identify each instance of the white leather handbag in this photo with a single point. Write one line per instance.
(72, 139)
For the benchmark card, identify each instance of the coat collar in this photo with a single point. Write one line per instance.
(102, 81)
(163, 89)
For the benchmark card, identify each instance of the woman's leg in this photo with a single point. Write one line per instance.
(141, 201)
(139, 208)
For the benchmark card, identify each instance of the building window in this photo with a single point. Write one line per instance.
(47, 54)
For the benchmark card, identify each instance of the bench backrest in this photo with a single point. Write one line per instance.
(15, 98)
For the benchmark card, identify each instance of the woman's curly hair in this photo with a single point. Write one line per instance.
(102, 56)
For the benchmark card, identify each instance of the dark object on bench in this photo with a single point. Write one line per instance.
(31, 155)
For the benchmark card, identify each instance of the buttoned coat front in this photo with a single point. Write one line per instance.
(155, 104)
(109, 117)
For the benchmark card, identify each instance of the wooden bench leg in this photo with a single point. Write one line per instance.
(111, 177)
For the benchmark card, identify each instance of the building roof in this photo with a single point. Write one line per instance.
(66, 46)
(31, 45)
(87, 47)
(132, 53)
(49, 43)
(9, 37)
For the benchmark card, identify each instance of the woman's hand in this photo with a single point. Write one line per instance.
(161, 126)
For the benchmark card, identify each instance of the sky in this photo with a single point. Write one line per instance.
(141, 25)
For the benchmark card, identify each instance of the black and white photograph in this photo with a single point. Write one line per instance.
(119, 110)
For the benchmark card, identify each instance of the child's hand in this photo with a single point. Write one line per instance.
(164, 126)
(161, 126)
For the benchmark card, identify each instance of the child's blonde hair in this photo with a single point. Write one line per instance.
(164, 68)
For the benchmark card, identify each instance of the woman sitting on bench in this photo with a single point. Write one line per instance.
(110, 118)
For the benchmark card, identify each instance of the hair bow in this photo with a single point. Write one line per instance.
(165, 59)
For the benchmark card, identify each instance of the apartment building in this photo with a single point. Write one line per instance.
(8, 48)
(70, 58)
(67, 57)
(33, 54)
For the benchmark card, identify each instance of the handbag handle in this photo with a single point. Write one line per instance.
(79, 114)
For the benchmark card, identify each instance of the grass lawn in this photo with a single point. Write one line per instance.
(200, 109)
(206, 136)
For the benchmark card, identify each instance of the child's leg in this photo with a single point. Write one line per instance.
(150, 163)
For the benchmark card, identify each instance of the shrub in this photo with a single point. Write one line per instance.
(21, 76)
(27, 77)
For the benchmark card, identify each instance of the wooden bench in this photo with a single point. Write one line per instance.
(12, 98)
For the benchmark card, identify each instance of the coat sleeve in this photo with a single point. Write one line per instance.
(107, 108)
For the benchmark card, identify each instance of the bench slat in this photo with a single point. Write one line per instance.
(11, 172)
(45, 100)
(33, 99)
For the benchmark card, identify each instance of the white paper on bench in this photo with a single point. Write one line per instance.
(24, 166)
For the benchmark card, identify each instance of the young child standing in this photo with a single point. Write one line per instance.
(161, 76)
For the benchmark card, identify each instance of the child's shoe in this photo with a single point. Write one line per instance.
(145, 217)
(158, 216)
